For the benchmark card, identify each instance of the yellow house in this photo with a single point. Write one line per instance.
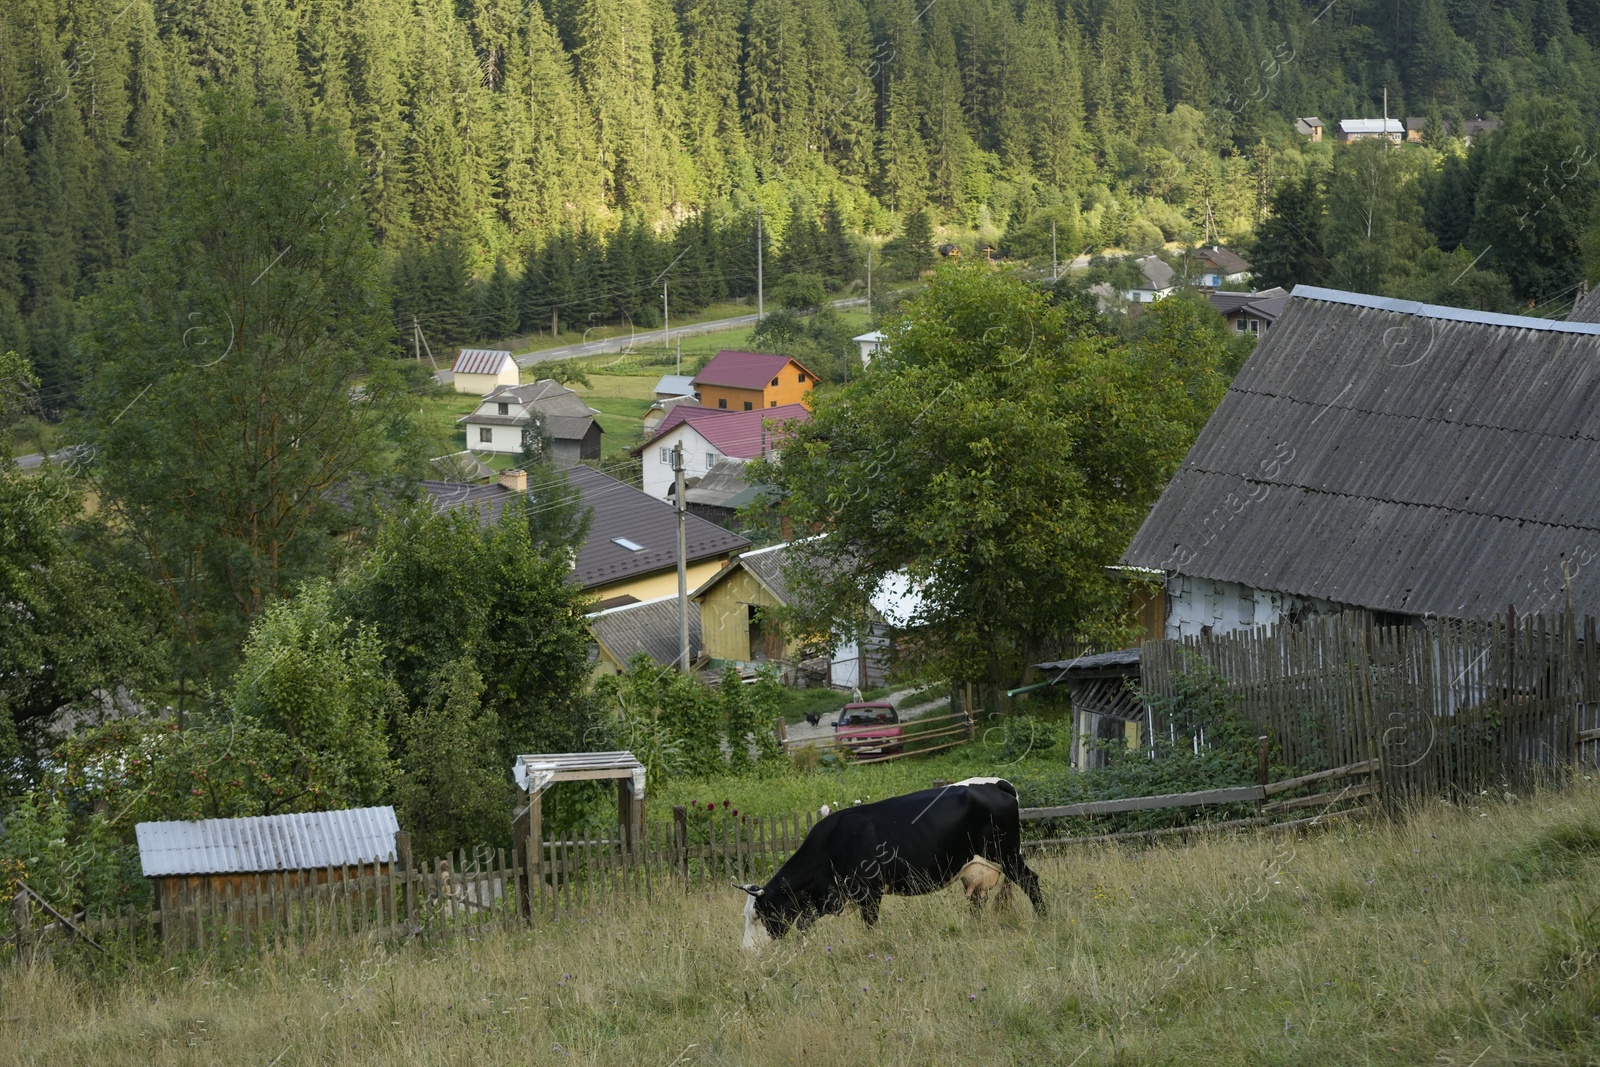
(631, 551)
(737, 627)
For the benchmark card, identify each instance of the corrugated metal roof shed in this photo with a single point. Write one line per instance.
(480, 361)
(298, 842)
(1586, 308)
(650, 627)
(1399, 457)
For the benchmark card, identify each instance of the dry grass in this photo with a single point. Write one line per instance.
(1455, 938)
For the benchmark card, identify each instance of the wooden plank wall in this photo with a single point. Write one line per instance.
(1445, 706)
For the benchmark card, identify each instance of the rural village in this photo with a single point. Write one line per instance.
(722, 532)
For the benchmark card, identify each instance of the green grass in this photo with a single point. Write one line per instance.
(1391, 945)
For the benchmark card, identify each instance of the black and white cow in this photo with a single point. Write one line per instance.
(908, 845)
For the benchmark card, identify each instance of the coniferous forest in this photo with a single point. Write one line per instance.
(527, 165)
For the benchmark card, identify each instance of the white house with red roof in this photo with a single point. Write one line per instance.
(709, 435)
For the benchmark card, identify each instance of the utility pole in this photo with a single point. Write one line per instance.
(666, 323)
(759, 286)
(869, 279)
(683, 563)
(1054, 272)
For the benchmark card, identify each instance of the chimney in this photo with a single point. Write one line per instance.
(515, 480)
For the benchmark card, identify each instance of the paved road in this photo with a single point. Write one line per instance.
(647, 338)
(823, 731)
(36, 459)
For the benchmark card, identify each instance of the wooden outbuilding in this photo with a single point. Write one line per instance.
(200, 862)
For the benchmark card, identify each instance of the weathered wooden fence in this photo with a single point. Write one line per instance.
(1442, 706)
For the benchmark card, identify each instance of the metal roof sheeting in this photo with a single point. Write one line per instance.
(650, 627)
(1399, 457)
(303, 841)
(480, 361)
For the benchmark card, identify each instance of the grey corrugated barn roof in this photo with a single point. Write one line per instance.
(299, 842)
(1586, 308)
(1398, 457)
(650, 627)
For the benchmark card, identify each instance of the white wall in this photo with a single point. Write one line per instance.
(486, 383)
(505, 439)
(1195, 603)
(658, 475)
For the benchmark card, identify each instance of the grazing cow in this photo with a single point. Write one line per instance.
(908, 845)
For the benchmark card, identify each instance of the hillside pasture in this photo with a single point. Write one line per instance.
(1466, 935)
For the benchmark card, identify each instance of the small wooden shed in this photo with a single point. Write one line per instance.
(196, 862)
(535, 774)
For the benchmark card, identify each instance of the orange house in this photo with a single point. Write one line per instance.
(745, 381)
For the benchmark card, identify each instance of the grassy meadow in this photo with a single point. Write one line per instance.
(1465, 935)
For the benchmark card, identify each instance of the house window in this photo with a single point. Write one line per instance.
(711, 460)
(505, 409)
(1238, 324)
(485, 435)
(1255, 326)
(774, 381)
(802, 377)
(666, 457)
(722, 402)
(748, 406)
(772, 404)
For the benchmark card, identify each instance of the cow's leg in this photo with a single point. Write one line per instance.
(1019, 872)
(869, 901)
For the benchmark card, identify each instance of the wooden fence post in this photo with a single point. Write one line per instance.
(1263, 757)
(22, 912)
(680, 836)
(402, 873)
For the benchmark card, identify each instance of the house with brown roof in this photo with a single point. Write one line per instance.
(631, 551)
(1250, 313)
(501, 417)
(745, 381)
(1218, 266)
(1399, 459)
(710, 436)
(479, 370)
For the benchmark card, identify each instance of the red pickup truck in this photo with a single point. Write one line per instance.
(871, 728)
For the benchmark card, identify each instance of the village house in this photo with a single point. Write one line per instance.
(671, 386)
(1310, 127)
(1158, 281)
(710, 436)
(740, 628)
(657, 412)
(1417, 128)
(718, 494)
(1250, 313)
(631, 551)
(650, 628)
(1395, 458)
(872, 342)
(480, 370)
(1353, 130)
(1218, 267)
(498, 423)
(745, 381)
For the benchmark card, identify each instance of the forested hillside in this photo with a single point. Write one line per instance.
(554, 152)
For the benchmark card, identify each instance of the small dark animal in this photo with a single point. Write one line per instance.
(813, 718)
(909, 845)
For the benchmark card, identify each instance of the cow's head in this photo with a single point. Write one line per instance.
(770, 911)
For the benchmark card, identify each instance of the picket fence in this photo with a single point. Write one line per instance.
(1445, 707)
(466, 894)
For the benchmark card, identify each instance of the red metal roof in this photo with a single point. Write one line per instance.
(480, 361)
(740, 434)
(744, 370)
